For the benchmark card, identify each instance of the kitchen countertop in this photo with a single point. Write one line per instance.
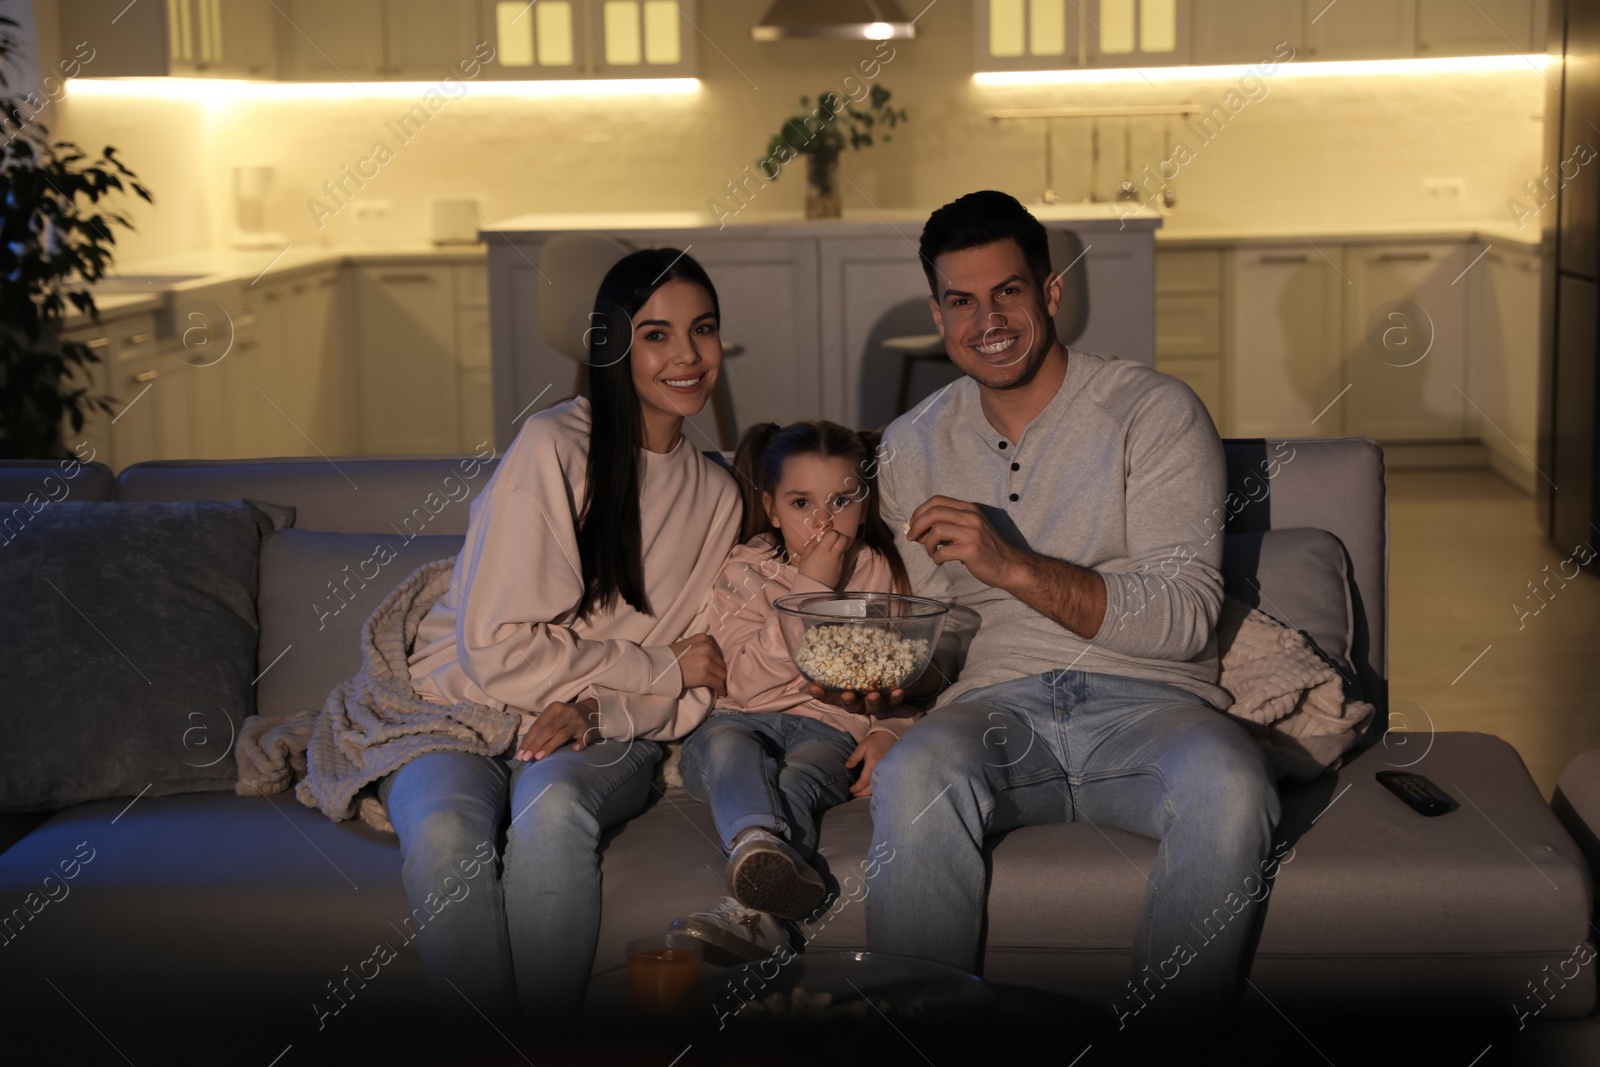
(794, 224)
(182, 271)
(1489, 232)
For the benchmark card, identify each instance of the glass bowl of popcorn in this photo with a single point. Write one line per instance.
(865, 642)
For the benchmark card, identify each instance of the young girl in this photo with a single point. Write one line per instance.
(771, 758)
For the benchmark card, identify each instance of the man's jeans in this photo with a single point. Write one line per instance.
(1066, 745)
(523, 935)
(768, 769)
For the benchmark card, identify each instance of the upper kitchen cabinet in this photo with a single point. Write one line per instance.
(1361, 29)
(187, 38)
(1480, 27)
(1245, 31)
(589, 38)
(1059, 34)
(371, 40)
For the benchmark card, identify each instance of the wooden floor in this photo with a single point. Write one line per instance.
(1470, 647)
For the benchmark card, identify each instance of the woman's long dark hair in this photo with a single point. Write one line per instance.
(610, 546)
(765, 448)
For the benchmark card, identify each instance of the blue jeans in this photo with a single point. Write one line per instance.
(768, 769)
(1069, 746)
(522, 936)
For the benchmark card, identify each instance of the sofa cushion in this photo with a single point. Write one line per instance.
(1300, 577)
(317, 590)
(129, 644)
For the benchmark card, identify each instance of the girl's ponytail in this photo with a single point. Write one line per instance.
(750, 469)
(875, 533)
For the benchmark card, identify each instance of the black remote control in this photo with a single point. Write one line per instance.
(1423, 796)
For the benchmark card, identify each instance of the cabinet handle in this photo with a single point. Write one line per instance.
(303, 287)
(136, 339)
(272, 296)
(329, 281)
(245, 320)
(98, 342)
(247, 345)
(415, 276)
(145, 376)
(1299, 258)
(1405, 257)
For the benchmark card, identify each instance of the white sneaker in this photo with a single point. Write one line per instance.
(733, 933)
(767, 873)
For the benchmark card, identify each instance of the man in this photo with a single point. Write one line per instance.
(1062, 496)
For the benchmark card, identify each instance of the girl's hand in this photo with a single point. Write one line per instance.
(868, 753)
(824, 556)
(700, 659)
(560, 723)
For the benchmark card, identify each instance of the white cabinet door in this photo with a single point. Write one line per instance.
(1474, 27)
(1244, 31)
(872, 289)
(93, 441)
(273, 386)
(405, 322)
(1361, 29)
(1128, 34)
(1405, 342)
(1503, 362)
(318, 334)
(427, 38)
(1283, 375)
(332, 42)
(1025, 34)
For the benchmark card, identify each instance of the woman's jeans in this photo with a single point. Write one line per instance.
(1070, 746)
(768, 769)
(520, 934)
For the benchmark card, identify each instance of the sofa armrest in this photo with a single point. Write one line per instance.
(1576, 802)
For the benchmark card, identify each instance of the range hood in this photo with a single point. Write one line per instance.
(840, 20)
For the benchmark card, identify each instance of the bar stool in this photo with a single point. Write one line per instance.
(575, 264)
(1070, 319)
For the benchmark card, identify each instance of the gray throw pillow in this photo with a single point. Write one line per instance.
(1301, 577)
(128, 646)
(317, 589)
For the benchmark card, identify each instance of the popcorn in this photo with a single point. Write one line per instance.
(863, 658)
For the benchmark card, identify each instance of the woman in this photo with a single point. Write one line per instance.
(568, 604)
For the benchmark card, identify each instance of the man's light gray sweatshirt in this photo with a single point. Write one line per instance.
(1122, 473)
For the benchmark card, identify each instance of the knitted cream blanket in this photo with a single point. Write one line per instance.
(371, 724)
(1286, 694)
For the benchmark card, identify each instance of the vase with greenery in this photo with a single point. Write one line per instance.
(820, 134)
(55, 239)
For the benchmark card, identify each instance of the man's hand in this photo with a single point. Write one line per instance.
(700, 659)
(822, 558)
(950, 529)
(877, 702)
(868, 753)
(560, 723)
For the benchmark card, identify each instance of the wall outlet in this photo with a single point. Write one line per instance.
(371, 211)
(1444, 190)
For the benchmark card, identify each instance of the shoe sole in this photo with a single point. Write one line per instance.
(767, 880)
(726, 949)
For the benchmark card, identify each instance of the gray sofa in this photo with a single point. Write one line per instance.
(1379, 907)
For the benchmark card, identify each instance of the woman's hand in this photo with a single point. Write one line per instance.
(559, 724)
(868, 753)
(822, 558)
(700, 659)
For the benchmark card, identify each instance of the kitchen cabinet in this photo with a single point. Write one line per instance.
(1025, 34)
(1245, 31)
(367, 40)
(1361, 29)
(1502, 360)
(1128, 34)
(152, 385)
(1480, 27)
(1405, 342)
(406, 359)
(549, 39)
(474, 378)
(1189, 336)
(187, 38)
(297, 382)
(1283, 370)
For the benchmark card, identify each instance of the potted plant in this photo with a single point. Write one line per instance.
(54, 239)
(820, 135)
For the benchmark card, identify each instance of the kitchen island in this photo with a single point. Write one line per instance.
(810, 301)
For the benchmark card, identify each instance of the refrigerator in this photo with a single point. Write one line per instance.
(1569, 388)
